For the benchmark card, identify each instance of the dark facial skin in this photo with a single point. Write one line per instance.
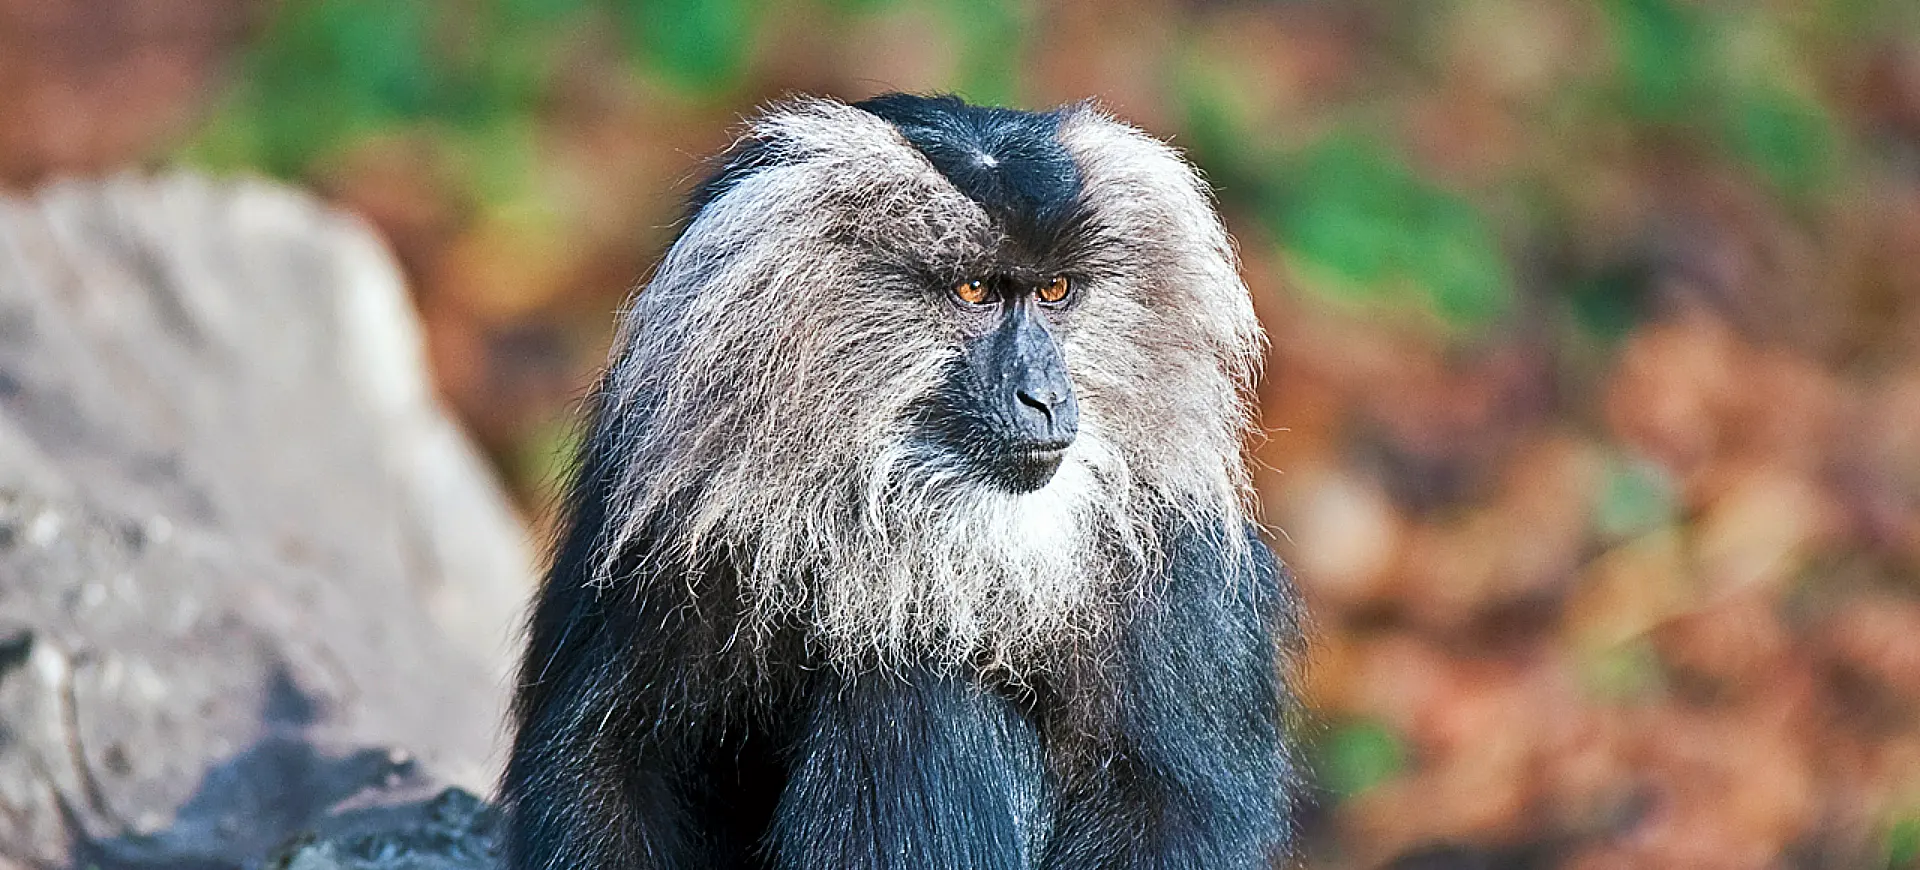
(1011, 398)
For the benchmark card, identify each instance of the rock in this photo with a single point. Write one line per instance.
(242, 549)
(454, 831)
(245, 807)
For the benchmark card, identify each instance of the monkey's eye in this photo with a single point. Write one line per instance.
(972, 292)
(1055, 290)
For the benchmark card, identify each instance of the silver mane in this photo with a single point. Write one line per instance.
(766, 380)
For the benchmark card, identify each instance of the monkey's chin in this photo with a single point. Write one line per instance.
(1028, 471)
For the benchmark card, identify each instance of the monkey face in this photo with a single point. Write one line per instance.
(1008, 406)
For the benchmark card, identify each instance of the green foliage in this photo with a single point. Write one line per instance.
(1636, 498)
(1364, 227)
(1217, 103)
(701, 46)
(1676, 65)
(1658, 46)
(1381, 234)
(538, 13)
(1608, 304)
(1903, 844)
(863, 7)
(326, 72)
(1625, 672)
(1788, 139)
(990, 38)
(1357, 755)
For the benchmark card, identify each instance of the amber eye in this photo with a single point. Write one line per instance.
(971, 292)
(1055, 290)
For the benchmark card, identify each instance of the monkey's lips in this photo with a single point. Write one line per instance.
(1028, 466)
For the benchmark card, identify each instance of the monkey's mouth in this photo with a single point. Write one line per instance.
(1030, 466)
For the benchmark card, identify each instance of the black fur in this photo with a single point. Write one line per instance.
(1188, 765)
(1010, 162)
(647, 738)
(648, 734)
(918, 769)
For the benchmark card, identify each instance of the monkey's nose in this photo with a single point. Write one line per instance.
(1048, 415)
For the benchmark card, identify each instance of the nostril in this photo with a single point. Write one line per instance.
(1041, 403)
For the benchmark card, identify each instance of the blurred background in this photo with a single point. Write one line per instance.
(1592, 417)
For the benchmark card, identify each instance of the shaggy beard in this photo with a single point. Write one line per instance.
(920, 561)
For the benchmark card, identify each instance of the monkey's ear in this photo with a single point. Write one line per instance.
(747, 155)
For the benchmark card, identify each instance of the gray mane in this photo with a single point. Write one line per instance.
(764, 388)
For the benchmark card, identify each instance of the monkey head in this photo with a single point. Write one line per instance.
(934, 372)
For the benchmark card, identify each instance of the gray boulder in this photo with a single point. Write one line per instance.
(252, 576)
(454, 831)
